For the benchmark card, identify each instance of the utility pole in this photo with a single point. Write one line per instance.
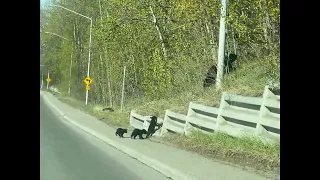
(47, 81)
(222, 39)
(41, 79)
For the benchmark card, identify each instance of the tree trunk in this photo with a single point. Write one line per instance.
(159, 33)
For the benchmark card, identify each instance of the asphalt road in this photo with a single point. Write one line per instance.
(68, 153)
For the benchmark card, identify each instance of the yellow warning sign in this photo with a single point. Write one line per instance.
(87, 81)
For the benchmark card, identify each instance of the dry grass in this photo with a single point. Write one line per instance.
(244, 151)
(248, 80)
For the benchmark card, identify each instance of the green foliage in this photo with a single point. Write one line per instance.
(124, 34)
(156, 80)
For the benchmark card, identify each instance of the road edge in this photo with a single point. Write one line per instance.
(162, 168)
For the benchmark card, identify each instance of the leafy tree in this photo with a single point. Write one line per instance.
(167, 46)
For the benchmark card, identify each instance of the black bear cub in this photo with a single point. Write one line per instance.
(120, 132)
(108, 109)
(152, 127)
(138, 132)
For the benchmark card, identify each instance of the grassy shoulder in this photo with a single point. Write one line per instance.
(245, 151)
(242, 151)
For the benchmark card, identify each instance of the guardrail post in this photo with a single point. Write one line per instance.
(223, 104)
(131, 116)
(187, 125)
(259, 129)
(164, 129)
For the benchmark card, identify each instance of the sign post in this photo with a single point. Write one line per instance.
(48, 80)
(88, 81)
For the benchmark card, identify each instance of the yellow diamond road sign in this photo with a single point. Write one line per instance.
(88, 81)
(87, 88)
(48, 79)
